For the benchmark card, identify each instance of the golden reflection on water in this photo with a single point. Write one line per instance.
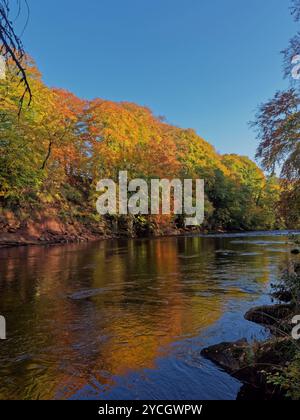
(148, 294)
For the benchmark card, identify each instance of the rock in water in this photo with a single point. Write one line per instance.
(295, 251)
(269, 315)
(250, 363)
(86, 294)
(229, 356)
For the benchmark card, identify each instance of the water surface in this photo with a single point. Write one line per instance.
(127, 319)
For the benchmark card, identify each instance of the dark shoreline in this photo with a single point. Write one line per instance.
(49, 237)
(252, 363)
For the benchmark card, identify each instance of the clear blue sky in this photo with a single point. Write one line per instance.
(204, 64)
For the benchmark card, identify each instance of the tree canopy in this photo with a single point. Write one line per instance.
(57, 150)
(278, 130)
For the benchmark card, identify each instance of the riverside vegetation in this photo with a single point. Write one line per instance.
(53, 154)
(55, 150)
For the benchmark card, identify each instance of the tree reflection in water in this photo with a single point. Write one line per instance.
(150, 295)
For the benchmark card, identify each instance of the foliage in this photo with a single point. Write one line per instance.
(56, 151)
(278, 129)
(288, 376)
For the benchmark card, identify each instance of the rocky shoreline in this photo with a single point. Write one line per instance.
(254, 363)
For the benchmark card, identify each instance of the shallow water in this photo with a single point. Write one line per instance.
(127, 319)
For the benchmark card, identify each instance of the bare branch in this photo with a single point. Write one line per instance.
(11, 47)
(296, 9)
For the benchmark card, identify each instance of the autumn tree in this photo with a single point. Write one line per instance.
(277, 125)
(55, 152)
(42, 148)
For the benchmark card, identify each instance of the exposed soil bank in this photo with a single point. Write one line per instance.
(47, 228)
(50, 227)
(41, 229)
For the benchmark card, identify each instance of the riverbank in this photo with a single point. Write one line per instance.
(53, 226)
(268, 368)
(42, 229)
(47, 228)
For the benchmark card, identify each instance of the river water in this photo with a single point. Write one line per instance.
(127, 319)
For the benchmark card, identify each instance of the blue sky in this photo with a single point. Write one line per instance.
(203, 64)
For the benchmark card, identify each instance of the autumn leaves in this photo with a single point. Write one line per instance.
(55, 153)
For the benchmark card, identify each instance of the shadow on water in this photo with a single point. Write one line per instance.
(127, 319)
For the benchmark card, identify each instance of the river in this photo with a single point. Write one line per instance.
(127, 319)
